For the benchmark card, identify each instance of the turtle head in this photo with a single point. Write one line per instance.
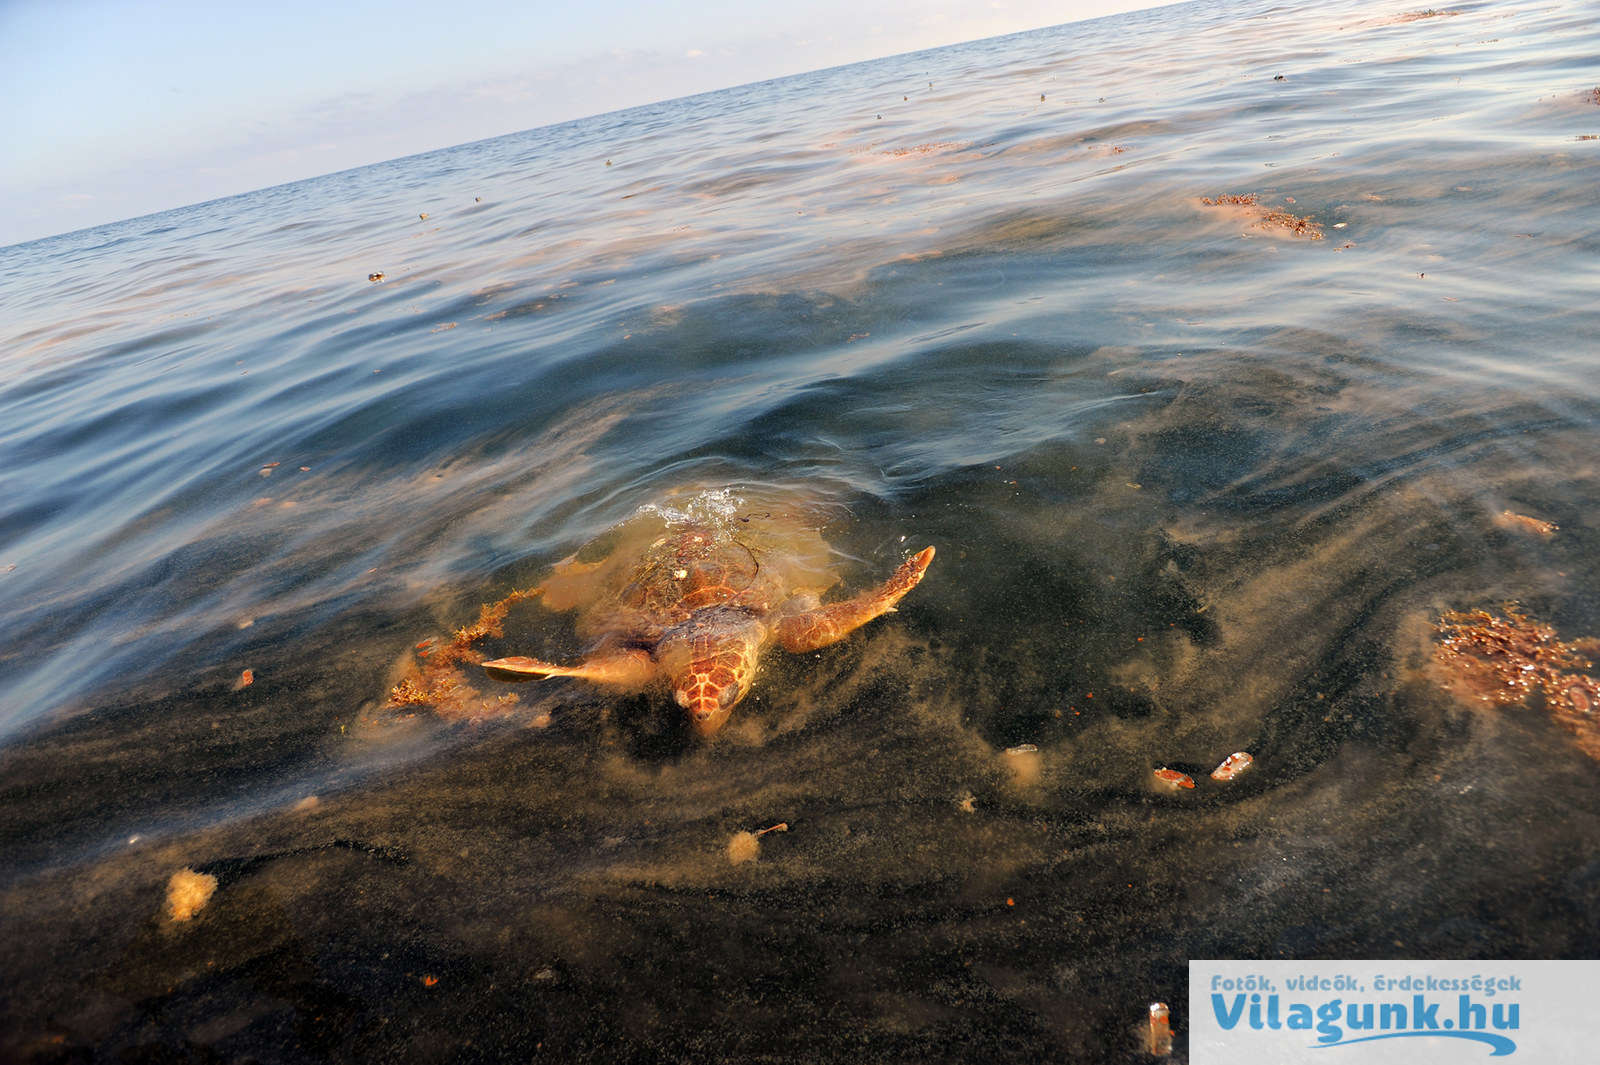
(711, 662)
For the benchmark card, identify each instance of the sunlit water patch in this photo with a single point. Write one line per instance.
(1198, 483)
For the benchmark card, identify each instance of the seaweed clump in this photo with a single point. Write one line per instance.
(437, 679)
(1268, 217)
(1511, 660)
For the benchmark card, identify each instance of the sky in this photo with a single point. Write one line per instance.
(119, 108)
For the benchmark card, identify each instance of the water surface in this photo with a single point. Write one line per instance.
(1196, 486)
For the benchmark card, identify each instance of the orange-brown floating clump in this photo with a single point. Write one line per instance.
(927, 149)
(247, 678)
(438, 681)
(1505, 660)
(1172, 780)
(1522, 523)
(1233, 765)
(1159, 1042)
(188, 892)
(1268, 217)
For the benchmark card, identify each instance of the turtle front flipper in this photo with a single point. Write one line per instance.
(811, 629)
(630, 668)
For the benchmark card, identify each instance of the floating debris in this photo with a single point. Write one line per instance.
(1172, 780)
(423, 216)
(743, 847)
(1268, 217)
(1160, 1042)
(927, 149)
(746, 846)
(188, 892)
(440, 682)
(1505, 660)
(1022, 748)
(1232, 766)
(1523, 523)
(1416, 16)
(378, 276)
(247, 678)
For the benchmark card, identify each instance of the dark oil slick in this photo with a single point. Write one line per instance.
(1199, 485)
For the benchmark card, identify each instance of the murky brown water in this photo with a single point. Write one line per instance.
(1196, 487)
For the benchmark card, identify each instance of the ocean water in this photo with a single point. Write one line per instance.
(1198, 483)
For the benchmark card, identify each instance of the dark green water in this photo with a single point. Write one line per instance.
(1196, 487)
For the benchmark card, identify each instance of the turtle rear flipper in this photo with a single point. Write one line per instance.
(629, 668)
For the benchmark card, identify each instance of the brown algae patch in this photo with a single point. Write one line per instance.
(931, 148)
(1418, 16)
(1264, 217)
(436, 678)
(1505, 659)
(188, 892)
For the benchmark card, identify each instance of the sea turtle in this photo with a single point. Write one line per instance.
(693, 595)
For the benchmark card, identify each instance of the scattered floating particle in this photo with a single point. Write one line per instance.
(443, 326)
(1232, 766)
(378, 276)
(1022, 748)
(1507, 519)
(1160, 1043)
(188, 892)
(968, 803)
(305, 469)
(310, 802)
(423, 216)
(1340, 225)
(247, 678)
(1172, 780)
(244, 623)
(429, 981)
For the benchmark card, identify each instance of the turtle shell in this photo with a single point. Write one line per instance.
(715, 549)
